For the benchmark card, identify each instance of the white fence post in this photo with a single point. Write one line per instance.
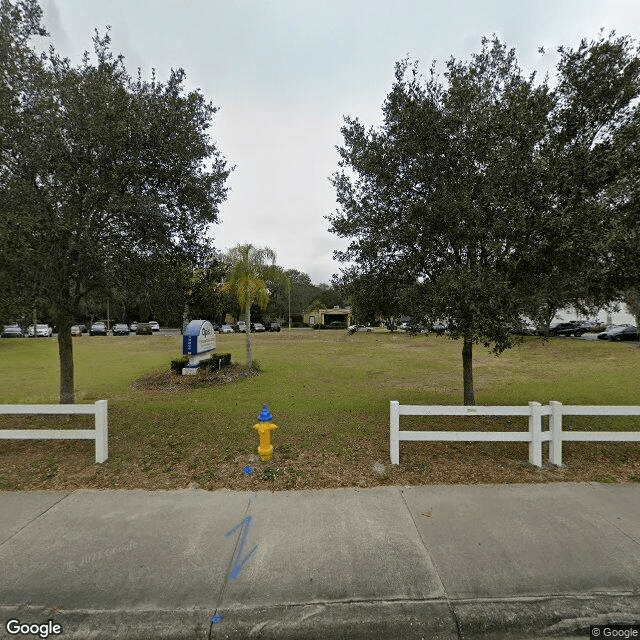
(535, 433)
(394, 432)
(102, 431)
(555, 426)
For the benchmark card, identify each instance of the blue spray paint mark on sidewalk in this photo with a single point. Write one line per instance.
(237, 562)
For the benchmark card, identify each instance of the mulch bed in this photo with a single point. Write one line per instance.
(170, 382)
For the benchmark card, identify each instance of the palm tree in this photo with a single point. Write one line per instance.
(250, 268)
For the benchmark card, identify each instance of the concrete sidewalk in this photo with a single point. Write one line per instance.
(509, 561)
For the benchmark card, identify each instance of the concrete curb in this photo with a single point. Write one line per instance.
(516, 619)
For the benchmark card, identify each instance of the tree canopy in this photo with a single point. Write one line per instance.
(100, 173)
(475, 193)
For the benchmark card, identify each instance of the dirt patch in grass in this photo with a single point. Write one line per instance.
(170, 382)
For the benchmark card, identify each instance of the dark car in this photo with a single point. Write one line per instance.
(120, 330)
(562, 328)
(573, 328)
(98, 329)
(273, 326)
(144, 329)
(616, 334)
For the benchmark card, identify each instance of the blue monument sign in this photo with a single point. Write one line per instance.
(198, 341)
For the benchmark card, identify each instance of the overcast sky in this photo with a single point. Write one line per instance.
(285, 72)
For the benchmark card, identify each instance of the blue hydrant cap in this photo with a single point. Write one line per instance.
(265, 414)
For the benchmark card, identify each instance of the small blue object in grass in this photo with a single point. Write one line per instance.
(216, 619)
(248, 471)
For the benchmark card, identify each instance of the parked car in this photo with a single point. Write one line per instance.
(120, 330)
(572, 328)
(76, 331)
(12, 331)
(524, 329)
(144, 329)
(274, 326)
(336, 324)
(617, 334)
(241, 326)
(43, 331)
(98, 329)
(258, 327)
(226, 328)
(359, 328)
(154, 325)
(562, 328)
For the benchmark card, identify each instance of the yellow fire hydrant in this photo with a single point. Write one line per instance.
(264, 428)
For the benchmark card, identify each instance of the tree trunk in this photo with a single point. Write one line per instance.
(247, 321)
(65, 351)
(467, 370)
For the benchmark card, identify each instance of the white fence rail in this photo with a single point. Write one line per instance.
(99, 434)
(535, 436)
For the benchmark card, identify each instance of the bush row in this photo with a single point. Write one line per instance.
(215, 362)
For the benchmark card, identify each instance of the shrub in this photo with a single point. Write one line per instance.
(178, 364)
(215, 362)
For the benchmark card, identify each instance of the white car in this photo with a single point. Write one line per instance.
(226, 328)
(359, 328)
(43, 331)
(154, 325)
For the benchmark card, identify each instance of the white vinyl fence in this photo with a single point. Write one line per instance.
(99, 434)
(534, 436)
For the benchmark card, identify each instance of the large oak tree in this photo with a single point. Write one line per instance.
(99, 173)
(475, 192)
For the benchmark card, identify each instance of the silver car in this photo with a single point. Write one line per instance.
(12, 331)
(43, 331)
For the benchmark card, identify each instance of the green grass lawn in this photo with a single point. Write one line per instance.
(329, 394)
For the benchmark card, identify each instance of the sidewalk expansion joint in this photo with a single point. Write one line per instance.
(13, 535)
(213, 613)
(445, 598)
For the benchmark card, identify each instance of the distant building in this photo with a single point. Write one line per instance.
(608, 317)
(327, 316)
